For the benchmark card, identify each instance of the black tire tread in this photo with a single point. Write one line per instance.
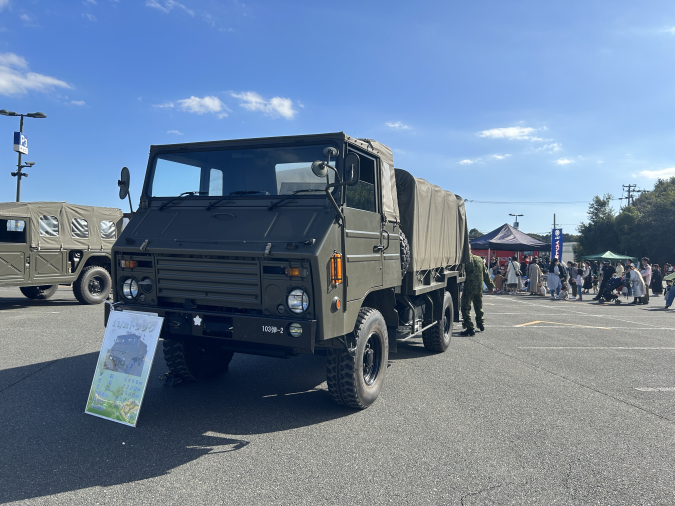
(78, 285)
(340, 369)
(41, 292)
(405, 253)
(433, 338)
(176, 357)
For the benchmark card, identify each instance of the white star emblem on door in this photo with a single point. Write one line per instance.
(197, 320)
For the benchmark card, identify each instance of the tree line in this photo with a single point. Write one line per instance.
(642, 229)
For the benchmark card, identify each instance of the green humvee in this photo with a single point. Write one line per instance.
(46, 244)
(288, 245)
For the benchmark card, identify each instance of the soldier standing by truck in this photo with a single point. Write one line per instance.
(476, 275)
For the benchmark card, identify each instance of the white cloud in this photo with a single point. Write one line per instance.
(90, 17)
(467, 162)
(175, 132)
(500, 157)
(518, 133)
(600, 161)
(563, 161)
(671, 31)
(3, 4)
(397, 126)
(276, 106)
(89, 2)
(658, 174)
(167, 6)
(16, 80)
(78, 102)
(198, 106)
(25, 18)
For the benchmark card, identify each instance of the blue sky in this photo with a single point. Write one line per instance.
(495, 101)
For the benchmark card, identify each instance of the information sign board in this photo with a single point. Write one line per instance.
(123, 366)
(556, 243)
(20, 143)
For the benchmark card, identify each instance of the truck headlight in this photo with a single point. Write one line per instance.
(130, 288)
(146, 285)
(298, 301)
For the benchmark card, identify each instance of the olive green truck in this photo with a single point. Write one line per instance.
(288, 245)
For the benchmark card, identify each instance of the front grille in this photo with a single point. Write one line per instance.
(215, 281)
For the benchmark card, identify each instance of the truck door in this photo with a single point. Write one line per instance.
(49, 260)
(13, 249)
(363, 232)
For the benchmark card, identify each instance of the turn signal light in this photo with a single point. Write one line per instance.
(128, 264)
(336, 269)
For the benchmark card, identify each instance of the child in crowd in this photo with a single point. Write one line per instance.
(564, 295)
(579, 281)
(499, 282)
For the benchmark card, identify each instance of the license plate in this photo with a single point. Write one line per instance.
(268, 329)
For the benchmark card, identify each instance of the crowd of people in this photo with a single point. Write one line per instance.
(572, 280)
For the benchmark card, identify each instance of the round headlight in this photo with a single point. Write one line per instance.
(295, 329)
(298, 301)
(130, 288)
(146, 285)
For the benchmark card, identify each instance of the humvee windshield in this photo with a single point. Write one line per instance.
(237, 172)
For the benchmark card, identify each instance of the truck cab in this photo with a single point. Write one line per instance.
(287, 245)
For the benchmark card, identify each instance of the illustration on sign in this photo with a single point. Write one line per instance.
(556, 243)
(20, 143)
(123, 366)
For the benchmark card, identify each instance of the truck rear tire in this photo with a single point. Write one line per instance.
(356, 380)
(39, 292)
(437, 338)
(202, 360)
(405, 252)
(93, 285)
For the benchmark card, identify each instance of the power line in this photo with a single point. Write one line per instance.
(630, 190)
(528, 203)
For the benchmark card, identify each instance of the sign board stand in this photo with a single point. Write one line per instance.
(123, 366)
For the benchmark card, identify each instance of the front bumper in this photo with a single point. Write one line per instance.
(237, 330)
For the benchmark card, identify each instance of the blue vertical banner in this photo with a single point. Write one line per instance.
(556, 243)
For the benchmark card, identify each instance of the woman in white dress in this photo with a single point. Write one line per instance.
(512, 275)
(553, 280)
(638, 285)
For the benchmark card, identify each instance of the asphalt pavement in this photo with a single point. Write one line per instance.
(556, 402)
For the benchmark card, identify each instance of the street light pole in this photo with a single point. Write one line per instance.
(19, 173)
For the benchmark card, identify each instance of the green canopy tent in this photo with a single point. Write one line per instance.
(608, 255)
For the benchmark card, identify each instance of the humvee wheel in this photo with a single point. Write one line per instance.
(196, 361)
(356, 380)
(437, 338)
(39, 292)
(93, 285)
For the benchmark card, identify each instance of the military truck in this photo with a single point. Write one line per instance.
(287, 245)
(47, 244)
(126, 355)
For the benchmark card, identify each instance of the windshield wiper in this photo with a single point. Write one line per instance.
(239, 192)
(286, 197)
(180, 196)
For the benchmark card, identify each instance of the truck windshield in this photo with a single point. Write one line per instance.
(238, 172)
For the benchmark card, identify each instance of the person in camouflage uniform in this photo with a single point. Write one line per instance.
(476, 275)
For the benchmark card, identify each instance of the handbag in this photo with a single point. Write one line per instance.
(518, 273)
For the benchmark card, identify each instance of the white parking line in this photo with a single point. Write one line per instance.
(595, 348)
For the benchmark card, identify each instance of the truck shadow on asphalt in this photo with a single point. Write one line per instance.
(8, 303)
(50, 446)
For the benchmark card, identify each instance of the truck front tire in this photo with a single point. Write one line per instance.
(39, 292)
(93, 285)
(196, 361)
(355, 380)
(437, 338)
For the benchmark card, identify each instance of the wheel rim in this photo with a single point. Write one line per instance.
(372, 361)
(96, 285)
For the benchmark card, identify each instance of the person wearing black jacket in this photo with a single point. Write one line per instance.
(608, 271)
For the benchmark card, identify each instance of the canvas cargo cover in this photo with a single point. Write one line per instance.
(72, 225)
(434, 222)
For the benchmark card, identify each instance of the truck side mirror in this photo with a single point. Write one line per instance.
(352, 167)
(319, 168)
(123, 183)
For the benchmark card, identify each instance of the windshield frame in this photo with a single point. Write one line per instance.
(150, 171)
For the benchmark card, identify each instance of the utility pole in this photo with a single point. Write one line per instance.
(19, 174)
(630, 190)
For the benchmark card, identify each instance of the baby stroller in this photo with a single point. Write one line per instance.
(609, 291)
